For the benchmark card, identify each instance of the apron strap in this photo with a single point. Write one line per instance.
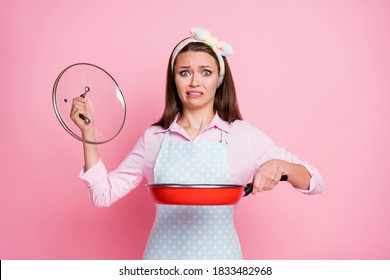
(223, 137)
(166, 137)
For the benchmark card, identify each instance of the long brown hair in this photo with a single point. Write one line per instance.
(225, 101)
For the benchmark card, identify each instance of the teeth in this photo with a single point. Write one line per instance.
(194, 93)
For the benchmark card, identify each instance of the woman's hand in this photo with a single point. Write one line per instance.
(268, 175)
(80, 106)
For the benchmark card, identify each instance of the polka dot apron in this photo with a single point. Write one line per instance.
(187, 231)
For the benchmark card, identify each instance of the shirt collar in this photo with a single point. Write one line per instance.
(217, 122)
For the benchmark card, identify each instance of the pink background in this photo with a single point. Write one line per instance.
(314, 75)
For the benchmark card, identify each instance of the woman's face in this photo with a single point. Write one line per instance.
(196, 78)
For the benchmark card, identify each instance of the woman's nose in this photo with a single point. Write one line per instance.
(195, 80)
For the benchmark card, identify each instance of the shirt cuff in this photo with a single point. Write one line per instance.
(94, 175)
(316, 181)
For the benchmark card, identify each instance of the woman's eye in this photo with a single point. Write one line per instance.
(184, 73)
(206, 73)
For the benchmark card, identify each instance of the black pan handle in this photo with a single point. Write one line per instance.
(249, 187)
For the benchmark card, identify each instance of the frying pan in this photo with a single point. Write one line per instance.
(203, 194)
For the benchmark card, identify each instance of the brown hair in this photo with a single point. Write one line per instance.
(225, 102)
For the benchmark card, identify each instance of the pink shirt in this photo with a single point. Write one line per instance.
(247, 149)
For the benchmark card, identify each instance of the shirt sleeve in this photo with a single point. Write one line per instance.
(263, 148)
(105, 187)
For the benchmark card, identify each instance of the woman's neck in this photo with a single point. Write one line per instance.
(195, 121)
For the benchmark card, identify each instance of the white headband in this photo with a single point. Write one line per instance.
(200, 34)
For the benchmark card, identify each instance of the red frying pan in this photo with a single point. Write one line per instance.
(204, 194)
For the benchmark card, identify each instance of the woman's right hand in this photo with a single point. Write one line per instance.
(80, 106)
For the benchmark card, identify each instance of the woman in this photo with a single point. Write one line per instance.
(200, 138)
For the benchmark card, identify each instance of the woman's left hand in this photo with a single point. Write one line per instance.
(268, 175)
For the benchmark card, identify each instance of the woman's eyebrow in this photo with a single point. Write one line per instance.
(189, 67)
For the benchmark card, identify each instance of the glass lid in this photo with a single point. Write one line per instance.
(85, 83)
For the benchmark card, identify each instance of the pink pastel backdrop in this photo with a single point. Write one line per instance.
(314, 75)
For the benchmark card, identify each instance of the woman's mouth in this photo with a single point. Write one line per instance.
(194, 93)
